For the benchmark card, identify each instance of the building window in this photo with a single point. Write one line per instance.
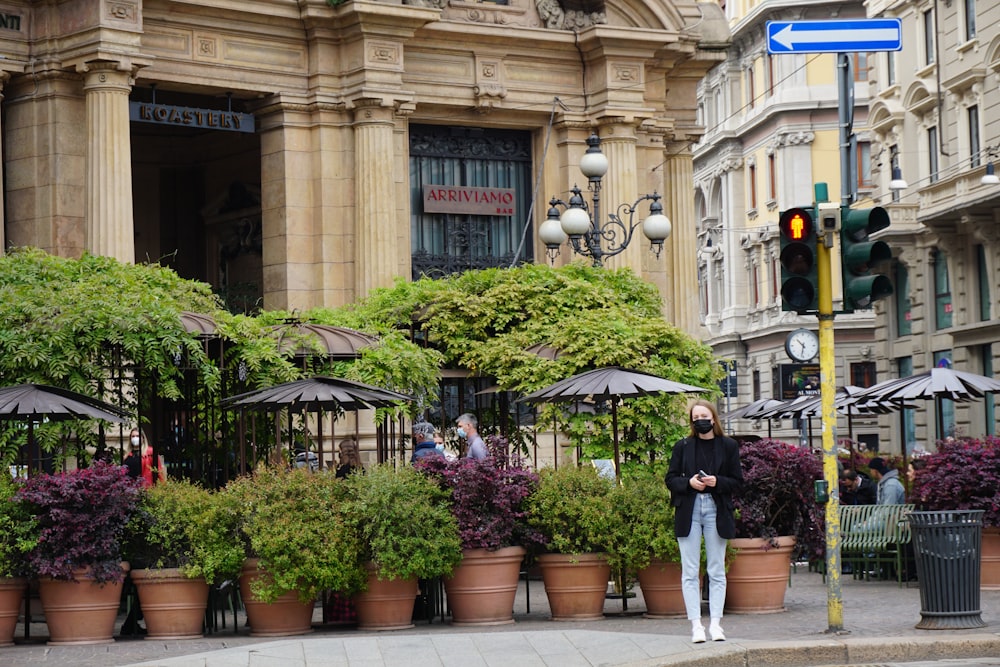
(756, 385)
(774, 280)
(703, 289)
(751, 88)
(890, 68)
(970, 19)
(986, 352)
(755, 286)
(893, 165)
(864, 165)
(942, 290)
(772, 178)
(946, 420)
(862, 66)
(901, 292)
(929, 37)
(983, 280)
(907, 417)
(462, 157)
(974, 146)
(752, 185)
(932, 154)
(863, 374)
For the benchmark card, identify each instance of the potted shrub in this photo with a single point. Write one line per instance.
(572, 509)
(292, 527)
(16, 530)
(77, 550)
(489, 500)
(182, 543)
(964, 474)
(646, 544)
(777, 517)
(405, 532)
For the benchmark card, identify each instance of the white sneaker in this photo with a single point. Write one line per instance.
(698, 634)
(715, 631)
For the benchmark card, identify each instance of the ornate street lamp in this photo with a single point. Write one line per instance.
(586, 234)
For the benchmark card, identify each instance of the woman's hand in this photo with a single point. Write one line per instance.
(709, 480)
(697, 482)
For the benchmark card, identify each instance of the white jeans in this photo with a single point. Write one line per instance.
(703, 524)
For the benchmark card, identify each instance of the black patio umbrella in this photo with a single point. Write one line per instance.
(35, 403)
(848, 400)
(316, 394)
(754, 410)
(936, 384)
(611, 384)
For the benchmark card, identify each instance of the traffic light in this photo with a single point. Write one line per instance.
(859, 254)
(799, 289)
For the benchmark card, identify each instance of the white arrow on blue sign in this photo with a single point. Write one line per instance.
(834, 36)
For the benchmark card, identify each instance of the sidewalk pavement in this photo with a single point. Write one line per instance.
(878, 620)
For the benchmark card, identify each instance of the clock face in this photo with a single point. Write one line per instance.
(802, 345)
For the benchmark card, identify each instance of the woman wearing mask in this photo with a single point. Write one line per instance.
(703, 477)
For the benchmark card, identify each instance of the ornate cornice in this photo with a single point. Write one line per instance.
(794, 138)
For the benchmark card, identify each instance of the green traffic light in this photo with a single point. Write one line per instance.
(859, 256)
(859, 224)
(862, 291)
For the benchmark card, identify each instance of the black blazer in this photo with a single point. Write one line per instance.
(683, 466)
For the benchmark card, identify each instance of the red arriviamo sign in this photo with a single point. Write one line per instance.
(472, 201)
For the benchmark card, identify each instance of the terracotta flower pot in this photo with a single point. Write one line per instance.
(989, 567)
(758, 576)
(482, 588)
(80, 611)
(387, 604)
(661, 588)
(172, 604)
(575, 585)
(285, 616)
(11, 595)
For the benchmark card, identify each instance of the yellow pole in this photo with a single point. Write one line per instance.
(828, 389)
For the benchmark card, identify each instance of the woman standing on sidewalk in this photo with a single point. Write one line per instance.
(704, 475)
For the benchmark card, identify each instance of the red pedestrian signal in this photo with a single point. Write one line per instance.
(799, 288)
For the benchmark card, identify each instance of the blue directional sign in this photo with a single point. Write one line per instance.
(834, 36)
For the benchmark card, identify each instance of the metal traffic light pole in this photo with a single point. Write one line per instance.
(842, 37)
(827, 359)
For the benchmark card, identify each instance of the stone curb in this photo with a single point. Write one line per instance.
(830, 652)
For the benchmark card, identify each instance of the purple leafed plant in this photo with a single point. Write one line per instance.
(963, 474)
(778, 497)
(82, 516)
(488, 498)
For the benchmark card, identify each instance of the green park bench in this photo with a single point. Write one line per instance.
(873, 539)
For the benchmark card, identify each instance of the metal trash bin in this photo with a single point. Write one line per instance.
(947, 545)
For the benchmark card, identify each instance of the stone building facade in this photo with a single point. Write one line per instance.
(934, 115)
(771, 134)
(930, 110)
(279, 149)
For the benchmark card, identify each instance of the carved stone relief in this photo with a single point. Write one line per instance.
(489, 89)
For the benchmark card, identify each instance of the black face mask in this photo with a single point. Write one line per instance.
(703, 425)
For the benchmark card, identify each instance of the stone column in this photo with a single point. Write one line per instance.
(620, 187)
(288, 205)
(375, 264)
(678, 205)
(108, 218)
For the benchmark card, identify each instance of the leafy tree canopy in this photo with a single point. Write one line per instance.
(487, 320)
